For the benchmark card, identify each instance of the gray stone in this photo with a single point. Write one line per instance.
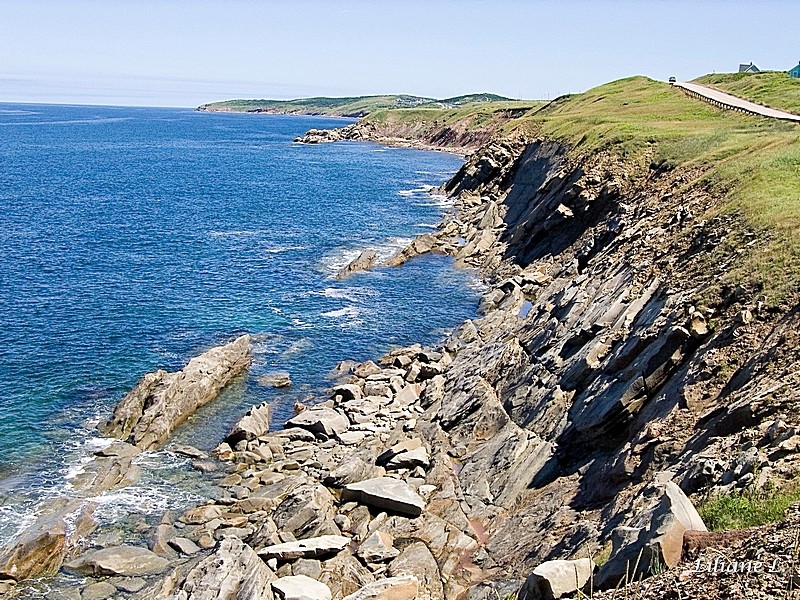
(655, 547)
(417, 560)
(378, 547)
(98, 591)
(251, 426)
(405, 587)
(300, 587)
(387, 493)
(306, 548)
(184, 545)
(130, 585)
(276, 380)
(126, 561)
(325, 421)
(348, 391)
(232, 572)
(557, 579)
(363, 262)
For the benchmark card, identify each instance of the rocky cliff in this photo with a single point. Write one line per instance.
(555, 443)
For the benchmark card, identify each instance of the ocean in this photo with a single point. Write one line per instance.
(132, 239)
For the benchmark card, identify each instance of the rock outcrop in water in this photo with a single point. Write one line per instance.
(161, 401)
(147, 415)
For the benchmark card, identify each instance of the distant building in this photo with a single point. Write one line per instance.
(751, 68)
(795, 72)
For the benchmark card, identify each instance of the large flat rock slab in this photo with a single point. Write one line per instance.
(123, 561)
(321, 421)
(386, 493)
(308, 548)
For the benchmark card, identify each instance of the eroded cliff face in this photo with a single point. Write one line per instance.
(609, 354)
(612, 371)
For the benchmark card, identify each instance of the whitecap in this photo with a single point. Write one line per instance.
(340, 258)
(300, 324)
(351, 294)
(348, 311)
(281, 249)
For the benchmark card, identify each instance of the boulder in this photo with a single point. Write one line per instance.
(417, 560)
(409, 394)
(386, 493)
(307, 548)
(300, 587)
(254, 424)
(149, 413)
(363, 262)
(124, 561)
(641, 552)
(40, 549)
(98, 591)
(422, 244)
(348, 391)
(232, 572)
(201, 514)
(344, 574)
(405, 455)
(391, 588)
(184, 546)
(276, 380)
(557, 579)
(322, 421)
(377, 548)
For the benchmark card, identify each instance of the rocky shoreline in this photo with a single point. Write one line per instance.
(548, 447)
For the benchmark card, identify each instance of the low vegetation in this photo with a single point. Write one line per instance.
(747, 508)
(772, 88)
(753, 162)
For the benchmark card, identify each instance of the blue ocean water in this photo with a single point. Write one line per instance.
(134, 238)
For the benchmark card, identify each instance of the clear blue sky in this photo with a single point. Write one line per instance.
(184, 53)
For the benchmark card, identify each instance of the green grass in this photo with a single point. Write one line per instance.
(743, 509)
(772, 88)
(752, 162)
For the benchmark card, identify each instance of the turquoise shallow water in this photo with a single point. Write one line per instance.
(132, 239)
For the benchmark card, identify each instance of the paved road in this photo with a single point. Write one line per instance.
(723, 100)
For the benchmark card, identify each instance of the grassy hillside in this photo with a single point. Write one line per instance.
(356, 106)
(773, 88)
(754, 162)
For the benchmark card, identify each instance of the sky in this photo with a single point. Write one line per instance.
(188, 52)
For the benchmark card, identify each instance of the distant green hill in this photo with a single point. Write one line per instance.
(355, 106)
(770, 88)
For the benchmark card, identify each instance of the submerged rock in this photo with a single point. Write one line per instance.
(363, 262)
(126, 561)
(41, 548)
(160, 401)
